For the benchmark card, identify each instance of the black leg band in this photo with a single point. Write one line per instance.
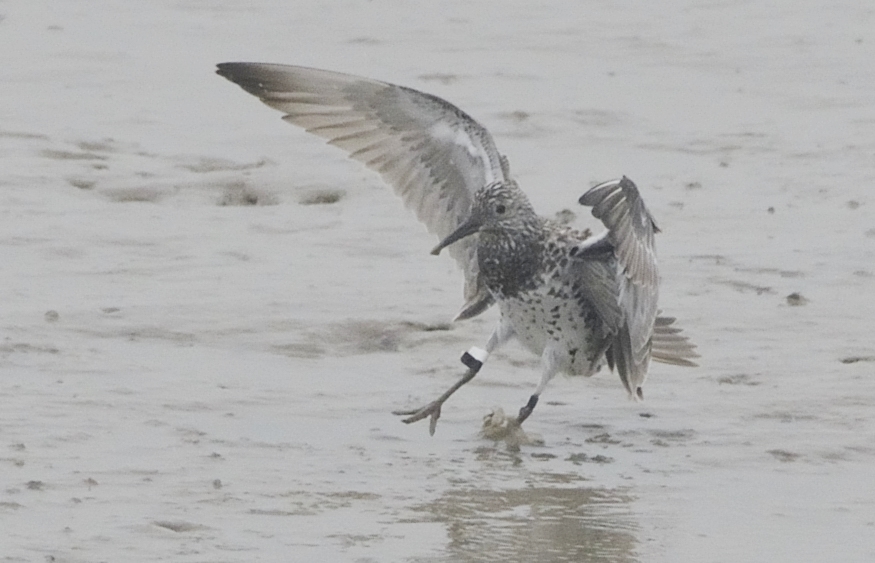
(471, 362)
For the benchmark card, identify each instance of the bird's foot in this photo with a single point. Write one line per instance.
(433, 410)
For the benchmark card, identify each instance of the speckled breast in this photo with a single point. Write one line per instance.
(550, 314)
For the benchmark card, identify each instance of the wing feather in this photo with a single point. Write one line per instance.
(433, 154)
(669, 347)
(630, 232)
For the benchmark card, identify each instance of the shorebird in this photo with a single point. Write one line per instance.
(577, 301)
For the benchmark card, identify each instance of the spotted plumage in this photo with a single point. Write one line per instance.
(527, 265)
(576, 300)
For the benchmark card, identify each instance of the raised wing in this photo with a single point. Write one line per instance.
(630, 227)
(632, 255)
(433, 154)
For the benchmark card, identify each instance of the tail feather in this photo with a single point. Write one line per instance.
(666, 346)
(669, 347)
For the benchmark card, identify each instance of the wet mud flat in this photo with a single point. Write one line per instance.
(207, 316)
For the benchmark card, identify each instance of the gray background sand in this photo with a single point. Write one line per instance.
(215, 380)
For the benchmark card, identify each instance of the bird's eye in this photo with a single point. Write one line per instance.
(500, 209)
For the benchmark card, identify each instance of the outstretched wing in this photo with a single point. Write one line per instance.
(433, 154)
(628, 302)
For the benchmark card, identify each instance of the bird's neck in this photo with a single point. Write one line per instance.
(510, 259)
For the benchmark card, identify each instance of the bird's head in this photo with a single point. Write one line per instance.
(497, 207)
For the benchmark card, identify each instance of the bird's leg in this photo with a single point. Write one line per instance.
(433, 409)
(474, 360)
(549, 367)
(527, 410)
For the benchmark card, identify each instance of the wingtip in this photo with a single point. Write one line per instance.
(476, 305)
(234, 67)
(228, 70)
(593, 195)
(242, 73)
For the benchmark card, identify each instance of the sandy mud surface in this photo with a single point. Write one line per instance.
(206, 315)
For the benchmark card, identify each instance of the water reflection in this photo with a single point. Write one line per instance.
(562, 520)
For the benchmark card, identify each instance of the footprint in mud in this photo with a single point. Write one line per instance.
(103, 145)
(239, 193)
(856, 359)
(321, 197)
(666, 438)
(581, 458)
(443, 78)
(85, 150)
(71, 155)
(23, 135)
(784, 456)
(141, 194)
(743, 286)
(522, 125)
(364, 41)
(796, 299)
(178, 526)
(25, 348)
(597, 118)
(603, 438)
(209, 164)
(81, 182)
(362, 337)
(738, 379)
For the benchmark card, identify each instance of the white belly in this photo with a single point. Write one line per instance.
(569, 328)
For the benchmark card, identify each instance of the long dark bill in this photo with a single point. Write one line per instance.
(466, 229)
